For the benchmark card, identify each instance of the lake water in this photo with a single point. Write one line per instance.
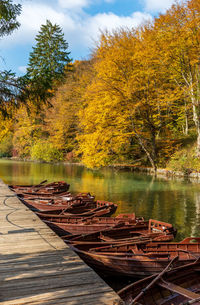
(174, 201)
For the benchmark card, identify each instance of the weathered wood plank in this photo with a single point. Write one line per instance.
(50, 270)
(60, 297)
(68, 291)
(64, 254)
(34, 263)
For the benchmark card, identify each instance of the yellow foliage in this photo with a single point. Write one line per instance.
(144, 80)
(6, 126)
(61, 120)
(124, 99)
(28, 128)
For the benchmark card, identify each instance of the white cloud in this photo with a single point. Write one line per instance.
(74, 4)
(109, 22)
(157, 5)
(81, 30)
(22, 69)
(31, 19)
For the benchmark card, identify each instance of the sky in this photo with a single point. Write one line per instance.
(81, 21)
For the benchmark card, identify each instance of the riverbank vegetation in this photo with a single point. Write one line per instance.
(135, 101)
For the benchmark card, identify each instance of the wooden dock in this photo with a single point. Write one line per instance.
(37, 267)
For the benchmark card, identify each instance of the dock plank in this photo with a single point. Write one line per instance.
(60, 297)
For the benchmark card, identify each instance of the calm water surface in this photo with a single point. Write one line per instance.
(177, 202)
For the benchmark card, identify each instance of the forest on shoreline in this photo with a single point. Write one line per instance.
(136, 100)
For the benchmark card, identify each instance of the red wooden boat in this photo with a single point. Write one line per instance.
(68, 200)
(37, 186)
(53, 188)
(100, 209)
(113, 236)
(86, 225)
(71, 205)
(125, 234)
(90, 225)
(179, 286)
(139, 260)
(65, 196)
(45, 204)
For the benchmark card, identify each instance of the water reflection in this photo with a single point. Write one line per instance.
(177, 202)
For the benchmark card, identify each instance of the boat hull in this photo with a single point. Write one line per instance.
(174, 287)
(136, 267)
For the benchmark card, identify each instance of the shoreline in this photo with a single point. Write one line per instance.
(163, 172)
(169, 173)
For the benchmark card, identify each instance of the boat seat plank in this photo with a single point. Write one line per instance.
(178, 289)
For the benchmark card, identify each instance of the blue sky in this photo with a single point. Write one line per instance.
(81, 21)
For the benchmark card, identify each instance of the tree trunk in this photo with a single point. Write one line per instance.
(196, 119)
(186, 119)
(154, 148)
(196, 110)
(198, 143)
(151, 158)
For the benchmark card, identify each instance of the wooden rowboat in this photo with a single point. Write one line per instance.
(45, 204)
(63, 202)
(102, 209)
(134, 237)
(75, 205)
(37, 186)
(66, 196)
(179, 286)
(90, 225)
(42, 189)
(86, 225)
(113, 236)
(140, 260)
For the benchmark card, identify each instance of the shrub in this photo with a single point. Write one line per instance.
(6, 146)
(44, 151)
(185, 160)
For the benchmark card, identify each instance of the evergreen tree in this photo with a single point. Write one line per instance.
(8, 15)
(47, 61)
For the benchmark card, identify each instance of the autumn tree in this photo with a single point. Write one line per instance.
(61, 120)
(125, 103)
(178, 32)
(101, 138)
(27, 129)
(49, 134)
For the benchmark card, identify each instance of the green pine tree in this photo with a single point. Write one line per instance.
(48, 61)
(8, 14)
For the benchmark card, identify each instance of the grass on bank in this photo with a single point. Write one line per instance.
(185, 158)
